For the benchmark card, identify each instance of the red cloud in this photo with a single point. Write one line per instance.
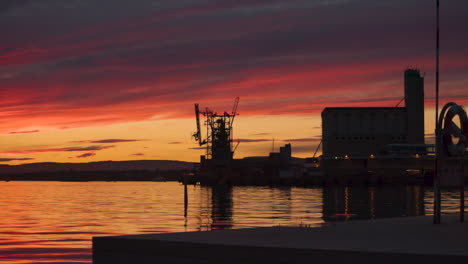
(312, 56)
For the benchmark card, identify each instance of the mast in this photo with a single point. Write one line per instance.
(437, 196)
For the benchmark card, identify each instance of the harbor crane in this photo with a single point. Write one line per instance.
(219, 132)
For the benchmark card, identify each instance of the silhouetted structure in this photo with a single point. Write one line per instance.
(414, 104)
(363, 131)
(218, 139)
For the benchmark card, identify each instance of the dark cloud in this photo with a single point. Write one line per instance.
(25, 132)
(86, 155)
(5, 5)
(86, 148)
(262, 134)
(175, 142)
(315, 139)
(67, 149)
(115, 140)
(250, 140)
(14, 159)
(138, 154)
(198, 148)
(106, 141)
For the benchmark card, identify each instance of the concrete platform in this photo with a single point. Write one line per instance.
(405, 240)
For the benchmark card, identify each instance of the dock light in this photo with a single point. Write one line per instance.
(372, 156)
(336, 157)
(346, 157)
(417, 156)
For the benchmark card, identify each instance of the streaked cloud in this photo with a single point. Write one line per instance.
(256, 140)
(262, 134)
(197, 148)
(315, 139)
(86, 155)
(25, 132)
(98, 63)
(108, 141)
(66, 149)
(144, 61)
(14, 159)
(252, 140)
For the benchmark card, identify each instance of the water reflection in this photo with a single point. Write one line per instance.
(47, 222)
(221, 207)
(345, 203)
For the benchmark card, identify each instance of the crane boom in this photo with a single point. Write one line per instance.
(317, 148)
(234, 150)
(234, 110)
(197, 135)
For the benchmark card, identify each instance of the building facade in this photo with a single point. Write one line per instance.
(365, 131)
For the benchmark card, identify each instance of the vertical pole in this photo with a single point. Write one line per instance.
(185, 195)
(462, 191)
(436, 162)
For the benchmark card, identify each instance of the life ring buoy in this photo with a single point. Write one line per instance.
(450, 130)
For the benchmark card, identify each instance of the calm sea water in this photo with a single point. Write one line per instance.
(53, 222)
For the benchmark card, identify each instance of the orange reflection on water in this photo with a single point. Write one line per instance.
(53, 222)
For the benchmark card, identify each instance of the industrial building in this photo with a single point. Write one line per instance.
(366, 131)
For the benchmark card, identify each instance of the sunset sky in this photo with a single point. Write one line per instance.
(87, 80)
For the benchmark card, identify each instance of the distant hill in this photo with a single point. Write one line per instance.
(129, 165)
